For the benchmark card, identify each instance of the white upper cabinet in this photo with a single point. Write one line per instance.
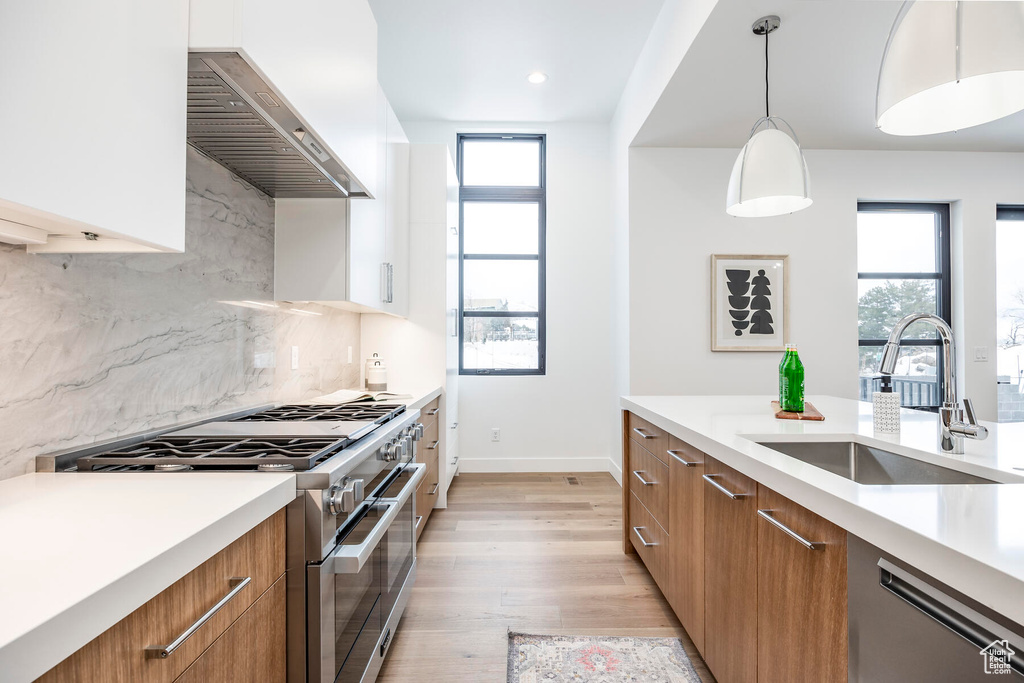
(320, 55)
(351, 253)
(92, 127)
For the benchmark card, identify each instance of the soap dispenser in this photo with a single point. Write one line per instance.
(886, 408)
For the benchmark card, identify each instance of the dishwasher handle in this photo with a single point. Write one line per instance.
(943, 609)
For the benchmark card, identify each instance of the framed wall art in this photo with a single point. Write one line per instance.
(749, 303)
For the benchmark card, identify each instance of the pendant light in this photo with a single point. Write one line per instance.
(951, 65)
(769, 177)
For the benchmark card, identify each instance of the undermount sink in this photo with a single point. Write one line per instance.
(870, 465)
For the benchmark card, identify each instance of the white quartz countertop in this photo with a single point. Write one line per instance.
(81, 551)
(970, 537)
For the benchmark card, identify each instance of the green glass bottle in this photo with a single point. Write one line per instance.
(782, 364)
(791, 381)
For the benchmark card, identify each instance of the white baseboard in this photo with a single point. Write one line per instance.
(615, 470)
(467, 465)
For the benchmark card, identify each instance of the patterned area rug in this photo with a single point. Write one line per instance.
(597, 659)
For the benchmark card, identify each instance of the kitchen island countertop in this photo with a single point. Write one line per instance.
(970, 537)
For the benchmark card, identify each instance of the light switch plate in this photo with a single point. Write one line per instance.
(980, 354)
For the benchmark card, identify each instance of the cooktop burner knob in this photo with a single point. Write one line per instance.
(345, 496)
(390, 451)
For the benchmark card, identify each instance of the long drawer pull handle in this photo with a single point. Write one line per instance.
(419, 518)
(686, 463)
(433, 446)
(433, 490)
(710, 478)
(636, 530)
(164, 651)
(810, 545)
(643, 434)
(636, 473)
(433, 411)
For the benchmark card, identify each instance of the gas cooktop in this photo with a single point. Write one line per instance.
(176, 454)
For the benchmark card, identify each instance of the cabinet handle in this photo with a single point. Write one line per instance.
(455, 425)
(433, 490)
(644, 434)
(810, 545)
(636, 530)
(636, 473)
(455, 322)
(164, 651)
(433, 411)
(433, 446)
(686, 463)
(419, 518)
(710, 478)
(455, 460)
(384, 282)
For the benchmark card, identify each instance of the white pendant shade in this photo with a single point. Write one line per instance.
(921, 87)
(769, 177)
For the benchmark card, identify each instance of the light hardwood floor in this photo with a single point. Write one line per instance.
(530, 553)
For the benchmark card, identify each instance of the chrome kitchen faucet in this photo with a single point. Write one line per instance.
(952, 427)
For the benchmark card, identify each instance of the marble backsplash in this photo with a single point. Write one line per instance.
(93, 346)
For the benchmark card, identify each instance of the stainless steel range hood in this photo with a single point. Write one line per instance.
(236, 118)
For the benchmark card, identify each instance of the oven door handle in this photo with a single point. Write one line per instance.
(350, 559)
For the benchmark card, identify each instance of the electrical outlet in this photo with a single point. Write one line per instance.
(980, 354)
(495, 434)
(295, 358)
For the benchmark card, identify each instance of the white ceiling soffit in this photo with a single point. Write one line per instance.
(824, 71)
(467, 60)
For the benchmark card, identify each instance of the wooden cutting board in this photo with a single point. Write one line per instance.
(810, 413)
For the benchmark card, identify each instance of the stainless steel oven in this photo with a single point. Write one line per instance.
(358, 592)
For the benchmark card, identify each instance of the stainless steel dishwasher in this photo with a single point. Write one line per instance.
(906, 627)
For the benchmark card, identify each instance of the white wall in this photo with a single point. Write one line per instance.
(555, 422)
(673, 32)
(677, 220)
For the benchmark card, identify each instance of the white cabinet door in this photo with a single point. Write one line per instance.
(396, 211)
(92, 128)
(321, 55)
(452, 300)
(367, 229)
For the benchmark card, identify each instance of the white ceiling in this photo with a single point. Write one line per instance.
(824, 68)
(467, 60)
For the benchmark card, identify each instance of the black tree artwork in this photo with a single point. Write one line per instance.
(739, 285)
(761, 319)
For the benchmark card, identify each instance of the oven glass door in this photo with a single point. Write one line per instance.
(399, 549)
(357, 599)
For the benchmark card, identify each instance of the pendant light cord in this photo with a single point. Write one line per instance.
(767, 111)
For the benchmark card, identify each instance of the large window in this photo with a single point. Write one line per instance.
(1010, 312)
(501, 246)
(903, 268)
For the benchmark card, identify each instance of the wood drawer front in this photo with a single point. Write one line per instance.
(654, 495)
(252, 649)
(644, 528)
(429, 445)
(650, 437)
(427, 492)
(730, 575)
(119, 653)
(686, 525)
(801, 595)
(430, 412)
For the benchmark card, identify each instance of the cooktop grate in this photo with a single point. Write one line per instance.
(346, 412)
(178, 453)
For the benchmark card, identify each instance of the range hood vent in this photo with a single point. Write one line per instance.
(239, 121)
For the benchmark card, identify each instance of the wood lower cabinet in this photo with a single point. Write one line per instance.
(119, 654)
(650, 540)
(801, 594)
(686, 548)
(428, 452)
(730, 573)
(252, 649)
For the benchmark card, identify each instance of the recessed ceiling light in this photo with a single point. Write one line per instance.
(537, 77)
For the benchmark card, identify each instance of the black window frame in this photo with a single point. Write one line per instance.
(943, 277)
(506, 194)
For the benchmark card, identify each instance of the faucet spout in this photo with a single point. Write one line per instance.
(952, 426)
